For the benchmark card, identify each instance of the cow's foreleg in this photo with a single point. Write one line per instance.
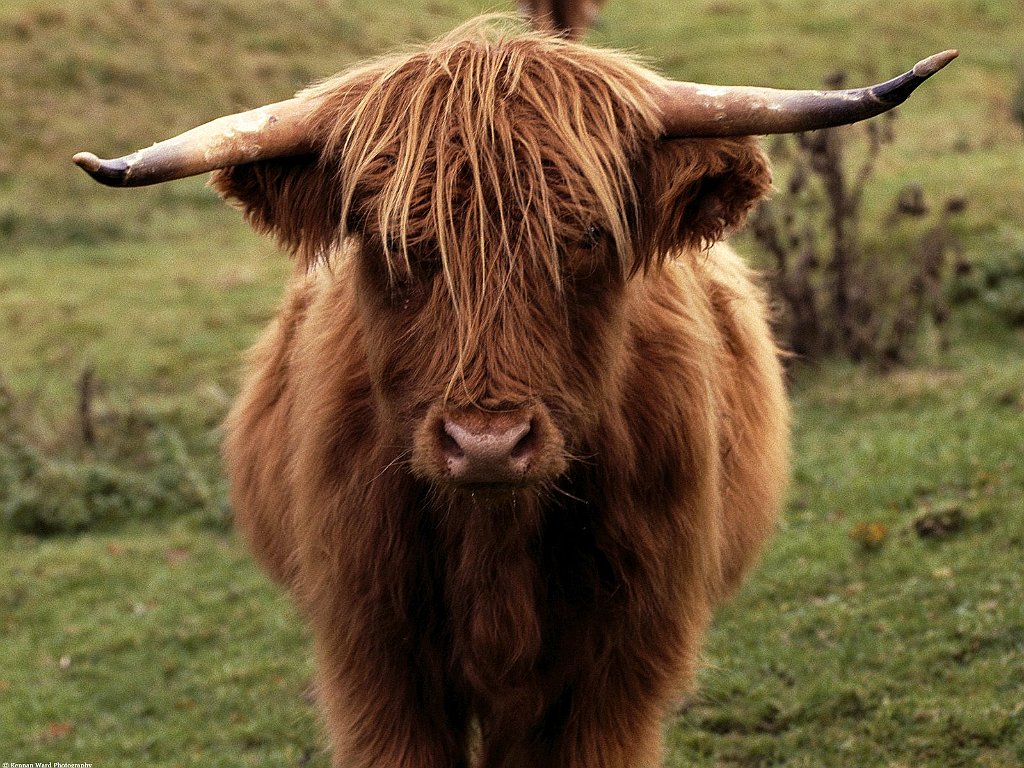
(592, 730)
(611, 717)
(384, 707)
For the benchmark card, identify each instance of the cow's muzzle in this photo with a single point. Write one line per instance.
(495, 449)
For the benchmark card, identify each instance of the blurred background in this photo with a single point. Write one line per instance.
(885, 626)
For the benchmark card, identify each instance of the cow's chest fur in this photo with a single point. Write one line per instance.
(527, 585)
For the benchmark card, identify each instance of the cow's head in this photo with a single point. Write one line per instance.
(490, 196)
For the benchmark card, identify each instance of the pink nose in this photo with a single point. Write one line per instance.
(496, 451)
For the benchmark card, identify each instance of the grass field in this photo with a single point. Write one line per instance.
(866, 637)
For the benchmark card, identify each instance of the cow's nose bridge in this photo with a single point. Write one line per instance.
(496, 379)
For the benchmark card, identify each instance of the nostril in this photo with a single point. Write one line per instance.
(491, 450)
(449, 445)
(496, 450)
(526, 444)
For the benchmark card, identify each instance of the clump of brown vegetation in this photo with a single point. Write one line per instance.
(835, 295)
(870, 535)
(940, 522)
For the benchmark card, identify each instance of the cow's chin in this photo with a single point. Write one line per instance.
(538, 479)
(491, 495)
(487, 489)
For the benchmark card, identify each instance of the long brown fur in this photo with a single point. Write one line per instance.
(492, 222)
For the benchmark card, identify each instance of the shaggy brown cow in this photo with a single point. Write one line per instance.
(516, 428)
(571, 18)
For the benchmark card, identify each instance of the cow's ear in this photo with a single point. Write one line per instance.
(294, 199)
(695, 190)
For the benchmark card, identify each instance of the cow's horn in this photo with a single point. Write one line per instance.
(276, 130)
(695, 110)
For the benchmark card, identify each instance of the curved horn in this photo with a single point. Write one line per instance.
(275, 130)
(695, 110)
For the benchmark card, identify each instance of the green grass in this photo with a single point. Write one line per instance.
(156, 647)
(158, 643)
(905, 654)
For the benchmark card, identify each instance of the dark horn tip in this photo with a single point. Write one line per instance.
(897, 90)
(113, 173)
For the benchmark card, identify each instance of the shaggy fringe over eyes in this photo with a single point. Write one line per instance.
(484, 147)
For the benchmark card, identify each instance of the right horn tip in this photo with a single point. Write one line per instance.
(87, 161)
(931, 65)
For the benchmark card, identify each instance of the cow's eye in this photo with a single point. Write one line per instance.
(392, 245)
(592, 238)
(408, 291)
(588, 258)
(405, 293)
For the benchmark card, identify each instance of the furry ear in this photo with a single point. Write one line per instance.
(295, 199)
(697, 189)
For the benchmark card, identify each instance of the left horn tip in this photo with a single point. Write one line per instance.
(931, 65)
(113, 173)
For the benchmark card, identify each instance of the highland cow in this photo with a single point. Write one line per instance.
(520, 423)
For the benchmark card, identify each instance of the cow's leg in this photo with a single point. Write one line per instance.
(595, 737)
(606, 703)
(612, 720)
(613, 731)
(384, 707)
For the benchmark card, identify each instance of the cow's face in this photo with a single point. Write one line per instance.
(493, 357)
(491, 206)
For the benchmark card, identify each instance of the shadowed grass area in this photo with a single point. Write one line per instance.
(866, 638)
